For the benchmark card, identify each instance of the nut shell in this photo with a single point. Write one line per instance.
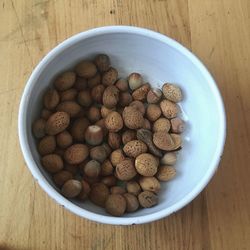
(109, 77)
(102, 62)
(128, 136)
(71, 188)
(154, 95)
(65, 81)
(139, 106)
(132, 203)
(166, 173)
(114, 140)
(51, 99)
(38, 128)
(133, 119)
(172, 92)
(163, 140)
(150, 184)
(98, 153)
(116, 157)
(68, 95)
(135, 80)
(94, 135)
(125, 99)
(93, 114)
(84, 98)
(135, 148)
(169, 109)
(70, 107)
(97, 93)
(114, 122)
(64, 139)
(140, 94)
(133, 187)
(146, 164)
(76, 153)
(153, 112)
(52, 163)
(110, 97)
(99, 194)
(169, 158)
(78, 129)
(125, 170)
(147, 199)
(161, 124)
(61, 177)
(85, 190)
(57, 123)
(115, 205)
(92, 169)
(86, 69)
(47, 145)
(122, 84)
(107, 168)
(177, 125)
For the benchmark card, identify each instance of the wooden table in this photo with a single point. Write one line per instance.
(218, 31)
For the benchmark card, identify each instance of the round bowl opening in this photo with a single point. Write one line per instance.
(159, 59)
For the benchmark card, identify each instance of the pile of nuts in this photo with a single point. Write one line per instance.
(107, 139)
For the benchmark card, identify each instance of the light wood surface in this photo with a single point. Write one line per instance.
(218, 31)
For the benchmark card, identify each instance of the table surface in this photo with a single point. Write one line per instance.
(219, 33)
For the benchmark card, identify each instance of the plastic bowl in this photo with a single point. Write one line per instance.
(159, 59)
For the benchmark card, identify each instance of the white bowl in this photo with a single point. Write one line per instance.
(159, 59)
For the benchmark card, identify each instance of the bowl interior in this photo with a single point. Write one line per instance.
(158, 62)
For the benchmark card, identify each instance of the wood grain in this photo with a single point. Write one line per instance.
(219, 33)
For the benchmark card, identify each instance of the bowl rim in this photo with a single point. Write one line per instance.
(45, 185)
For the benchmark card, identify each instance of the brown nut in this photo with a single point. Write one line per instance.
(105, 111)
(133, 187)
(52, 163)
(172, 92)
(110, 97)
(51, 99)
(80, 83)
(102, 62)
(70, 107)
(101, 123)
(107, 168)
(116, 157)
(135, 80)
(147, 124)
(78, 129)
(163, 140)
(38, 128)
(169, 109)
(94, 135)
(107, 148)
(114, 140)
(99, 194)
(47, 145)
(61, 177)
(177, 141)
(139, 106)
(135, 148)
(128, 136)
(76, 153)
(125, 99)
(117, 190)
(114, 122)
(45, 114)
(68, 95)
(166, 173)
(115, 205)
(140, 93)
(84, 98)
(133, 119)
(92, 169)
(132, 203)
(153, 112)
(125, 170)
(146, 164)
(98, 153)
(94, 114)
(85, 190)
(57, 123)
(86, 69)
(161, 124)
(147, 199)
(71, 188)
(177, 125)
(109, 181)
(109, 77)
(94, 81)
(65, 81)
(169, 158)
(146, 136)
(150, 184)
(154, 95)
(64, 139)
(122, 84)
(97, 93)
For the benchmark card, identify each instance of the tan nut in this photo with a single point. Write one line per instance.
(135, 148)
(172, 92)
(146, 164)
(114, 122)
